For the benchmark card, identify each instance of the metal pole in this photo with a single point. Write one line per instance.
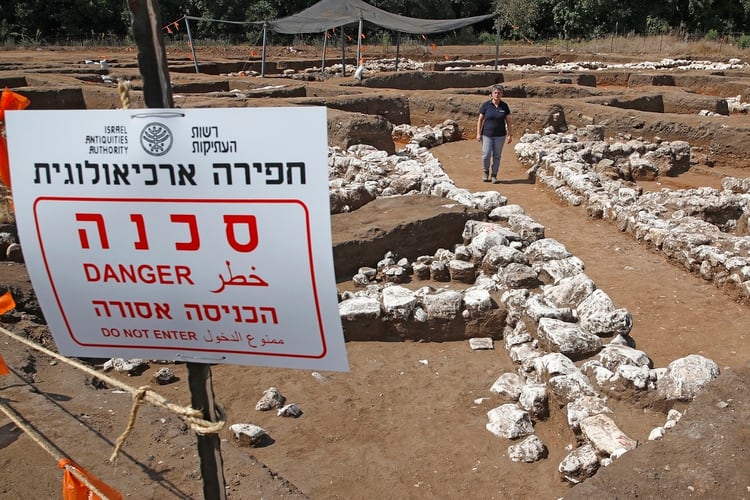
(192, 46)
(263, 52)
(343, 52)
(398, 47)
(497, 43)
(157, 93)
(359, 41)
(325, 47)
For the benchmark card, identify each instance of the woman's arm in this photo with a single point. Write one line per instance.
(480, 123)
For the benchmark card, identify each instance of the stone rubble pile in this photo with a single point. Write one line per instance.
(530, 292)
(664, 64)
(389, 64)
(705, 230)
(554, 315)
(370, 66)
(362, 173)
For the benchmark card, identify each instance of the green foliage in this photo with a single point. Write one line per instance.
(519, 19)
(656, 25)
(58, 21)
(743, 42)
(487, 38)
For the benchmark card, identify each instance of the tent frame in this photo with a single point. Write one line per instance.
(317, 19)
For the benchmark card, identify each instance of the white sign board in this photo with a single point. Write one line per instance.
(199, 235)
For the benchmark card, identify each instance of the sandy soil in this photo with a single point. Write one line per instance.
(405, 421)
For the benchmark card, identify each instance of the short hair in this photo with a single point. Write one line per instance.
(496, 87)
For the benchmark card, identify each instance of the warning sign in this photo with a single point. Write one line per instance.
(191, 235)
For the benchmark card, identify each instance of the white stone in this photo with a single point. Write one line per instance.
(443, 305)
(567, 338)
(614, 355)
(398, 302)
(247, 434)
(486, 240)
(687, 376)
(567, 388)
(509, 421)
(638, 376)
(529, 450)
(571, 291)
(508, 385)
(477, 300)
(674, 415)
(593, 369)
(579, 464)
(553, 364)
(121, 365)
(481, 343)
(656, 434)
(584, 407)
(290, 410)
(604, 435)
(272, 398)
(547, 249)
(533, 399)
(359, 308)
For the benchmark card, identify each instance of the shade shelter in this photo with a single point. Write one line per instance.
(330, 14)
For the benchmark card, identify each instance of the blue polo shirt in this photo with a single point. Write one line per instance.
(494, 118)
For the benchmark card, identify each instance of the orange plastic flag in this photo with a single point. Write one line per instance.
(6, 303)
(8, 101)
(74, 489)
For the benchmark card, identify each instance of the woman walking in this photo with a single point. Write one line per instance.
(493, 127)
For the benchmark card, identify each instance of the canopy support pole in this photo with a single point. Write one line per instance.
(359, 41)
(497, 43)
(343, 52)
(192, 46)
(263, 52)
(325, 47)
(398, 47)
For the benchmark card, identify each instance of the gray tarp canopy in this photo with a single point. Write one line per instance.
(328, 14)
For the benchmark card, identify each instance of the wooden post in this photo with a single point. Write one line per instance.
(157, 93)
(209, 446)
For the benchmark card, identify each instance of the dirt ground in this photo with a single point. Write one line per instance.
(408, 420)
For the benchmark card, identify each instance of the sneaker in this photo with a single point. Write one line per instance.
(486, 178)
(495, 180)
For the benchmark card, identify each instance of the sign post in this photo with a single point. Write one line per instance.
(152, 61)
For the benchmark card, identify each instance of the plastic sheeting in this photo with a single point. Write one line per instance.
(328, 14)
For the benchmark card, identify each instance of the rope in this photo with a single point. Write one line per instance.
(194, 418)
(123, 88)
(44, 444)
(137, 400)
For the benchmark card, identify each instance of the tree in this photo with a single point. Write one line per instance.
(519, 18)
